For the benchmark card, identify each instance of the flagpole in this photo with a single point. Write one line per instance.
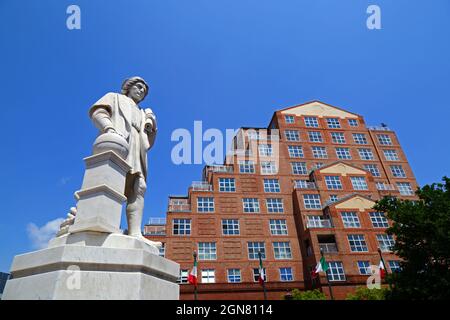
(384, 265)
(328, 280)
(260, 275)
(195, 285)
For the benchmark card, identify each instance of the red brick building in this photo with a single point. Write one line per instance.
(306, 183)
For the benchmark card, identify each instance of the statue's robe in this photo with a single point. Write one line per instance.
(129, 120)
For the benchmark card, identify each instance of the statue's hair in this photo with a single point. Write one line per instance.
(128, 83)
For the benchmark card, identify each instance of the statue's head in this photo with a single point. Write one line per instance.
(135, 88)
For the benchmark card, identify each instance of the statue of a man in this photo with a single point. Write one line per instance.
(121, 114)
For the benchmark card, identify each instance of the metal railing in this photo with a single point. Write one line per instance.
(322, 223)
(179, 207)
(328, 247)
(378, 128)
(155, 233)
(157, 221)
(220, 168)
(300, 184)
(201, 186)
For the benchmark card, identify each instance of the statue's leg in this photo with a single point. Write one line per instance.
(135, 206)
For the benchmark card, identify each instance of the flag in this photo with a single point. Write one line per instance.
(262, 276)
(192, 278)
(322, 265)
(382, 269)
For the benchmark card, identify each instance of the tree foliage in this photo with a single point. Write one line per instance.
(315, 294)
(422, 232)
(363, 293)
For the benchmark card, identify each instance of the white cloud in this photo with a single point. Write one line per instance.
(41, 236)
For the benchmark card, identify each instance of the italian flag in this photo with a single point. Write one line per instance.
(262, 276)
(192, 278)
(322, 266)
(382, 269)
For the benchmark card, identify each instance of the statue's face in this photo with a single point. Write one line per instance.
(137, 92)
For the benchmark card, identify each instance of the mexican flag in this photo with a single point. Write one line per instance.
(382, 269)
(322, 266)
(192, 278)
(262, 276)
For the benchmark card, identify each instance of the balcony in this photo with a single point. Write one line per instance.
(185, 207)
(328, 247)
(155, 233)
(302, 184)
(201, 186)
(220, 168)
(385, 186)
(319, 223)
(378, 128)
(157, 221)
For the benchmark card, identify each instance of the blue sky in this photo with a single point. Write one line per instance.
(228, 63)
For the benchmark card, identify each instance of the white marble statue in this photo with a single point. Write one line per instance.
(120, 114)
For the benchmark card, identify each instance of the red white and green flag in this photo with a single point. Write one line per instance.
(382, 269)
(262, 276)
(192, 278)
(322, 266)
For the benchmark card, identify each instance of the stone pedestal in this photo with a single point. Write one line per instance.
(93, 266)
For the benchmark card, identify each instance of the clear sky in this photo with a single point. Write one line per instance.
(228, 63)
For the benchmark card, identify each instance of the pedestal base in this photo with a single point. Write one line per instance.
(77, 269)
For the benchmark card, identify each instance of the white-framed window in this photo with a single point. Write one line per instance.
(384, 139)
(336, 271)
(405, 188)
(254, 248)
(274, 205)
(333, 182)
(343, 153)
(247, 166)
(333, 123)
(359, 183)
(230, 227)
(318, 222)
(352, 122)
(282, 250)
(299, 168)
(311, 122)
(312, 201)
(183, 277)
(295, 152)
(271, 185)
(265, 150)
(319, 152)
(250, 205)
(360, 138)
(394, 265)
(338, 137)
(205, 204)
(234, 275)
(278, 227)
(364, 267)
(227, 185)
(207, 251)
(385, 242)
(269, 167)
(390, 155)
(350, 219)
(286, 274)
(373, 169)
(289, 119)
(398, 172)
(333, 198)
(208, 276)
(357, 243)
(181, 227)
(365, 154)
(256, 274)
(292, 135)
(162, 250)
(379, 220)
(315, 136)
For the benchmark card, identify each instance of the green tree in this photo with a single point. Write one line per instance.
(422, 232)
(315, 294)
(363, 293)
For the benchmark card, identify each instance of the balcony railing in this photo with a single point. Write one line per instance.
(201, 186)
(179, 207)
(155, 233)
(272, 137)
(157, 221)
(323, 223)
(219, 168)
(385, 186)
(300, 184)
(328, 247)
(379, 128)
